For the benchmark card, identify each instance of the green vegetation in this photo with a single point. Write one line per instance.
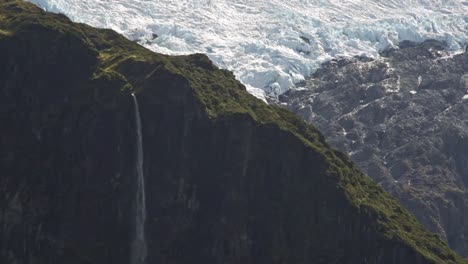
(5, 33)
(222, 97)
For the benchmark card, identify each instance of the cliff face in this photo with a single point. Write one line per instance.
(403, 119)
(228, 178)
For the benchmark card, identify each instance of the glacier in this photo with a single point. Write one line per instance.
(272, 44)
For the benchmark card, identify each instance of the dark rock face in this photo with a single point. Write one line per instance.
(404, 119)
(66, 172)
(228, 178)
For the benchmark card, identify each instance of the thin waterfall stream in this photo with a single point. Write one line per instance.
(139, 247)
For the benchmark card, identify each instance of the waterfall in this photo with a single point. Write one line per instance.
(139, 248)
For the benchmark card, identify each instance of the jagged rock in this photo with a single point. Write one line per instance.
(403, 118)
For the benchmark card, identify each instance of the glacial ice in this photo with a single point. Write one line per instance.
(272, 44)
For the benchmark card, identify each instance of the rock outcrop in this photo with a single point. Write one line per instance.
(404, 119)
(228, 178)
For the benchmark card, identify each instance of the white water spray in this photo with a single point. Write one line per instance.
(139, 247)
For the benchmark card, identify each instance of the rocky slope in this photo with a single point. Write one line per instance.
(228, 178)
(404, 119)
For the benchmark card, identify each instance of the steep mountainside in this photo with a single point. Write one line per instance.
(404, 119)
(228, 179)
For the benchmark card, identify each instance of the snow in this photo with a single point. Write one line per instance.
(272, 44)
(413, 92)
(465, 97)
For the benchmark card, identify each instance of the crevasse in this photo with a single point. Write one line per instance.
(272, 44)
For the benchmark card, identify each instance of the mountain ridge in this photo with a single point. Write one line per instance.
(272, 45)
